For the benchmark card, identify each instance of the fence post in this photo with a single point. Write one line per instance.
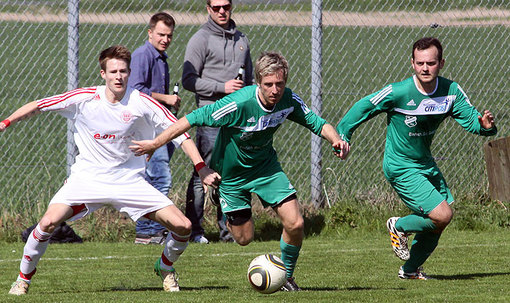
(73, 7)
(316, 96)
(497, 158)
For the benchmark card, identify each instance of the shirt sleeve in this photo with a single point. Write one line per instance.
(248, 68)
(220, 113)
(304, 116)
(467, 116)
(364, 110)
(194, 60)
(161, 118)
(140, 71)
(66, 103)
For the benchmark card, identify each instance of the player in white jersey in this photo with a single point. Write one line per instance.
(105, 120)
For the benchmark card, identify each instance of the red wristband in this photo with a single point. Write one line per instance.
(6, 122)
(199, 166)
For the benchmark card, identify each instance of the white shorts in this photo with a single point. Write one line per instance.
(135, 199)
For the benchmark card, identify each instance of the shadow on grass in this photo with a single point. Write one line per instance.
(160, 289)
(227, 288)
(470, 276)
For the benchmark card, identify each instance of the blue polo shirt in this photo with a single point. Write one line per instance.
(149, 70)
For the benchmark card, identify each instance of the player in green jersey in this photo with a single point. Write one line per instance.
(244, 155)
(415, 108)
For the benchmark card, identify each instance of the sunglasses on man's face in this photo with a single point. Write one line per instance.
(216, 8)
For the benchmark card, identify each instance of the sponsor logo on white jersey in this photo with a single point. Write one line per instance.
(430, 106)
(411, 121)
(251, 120)
(411, 103)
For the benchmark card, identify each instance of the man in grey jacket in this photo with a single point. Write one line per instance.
(214, 56)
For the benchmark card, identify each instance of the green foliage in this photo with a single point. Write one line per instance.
(363, 215)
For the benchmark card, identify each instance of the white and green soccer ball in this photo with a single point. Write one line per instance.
(267, 273)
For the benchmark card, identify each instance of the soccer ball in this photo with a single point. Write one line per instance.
(267, 273)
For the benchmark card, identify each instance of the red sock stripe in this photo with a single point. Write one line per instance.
(165, 260)
(40, 237)
(27, 277)
(180, 238)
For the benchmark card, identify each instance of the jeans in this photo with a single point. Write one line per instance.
(206, 136)
(158, 175)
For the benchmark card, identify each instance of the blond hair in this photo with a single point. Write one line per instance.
(269, 63)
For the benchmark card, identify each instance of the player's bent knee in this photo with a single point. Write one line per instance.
(184, 228)
(47, 225)
(296, 227)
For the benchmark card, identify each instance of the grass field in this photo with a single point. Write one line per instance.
(349, 267)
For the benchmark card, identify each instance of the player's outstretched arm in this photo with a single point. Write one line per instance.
(144, 147)
(487, 120)
(340, 148)
(208, 176)
(26, 111)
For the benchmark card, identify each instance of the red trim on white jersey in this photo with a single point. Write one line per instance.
(167, 113)
(50, 101)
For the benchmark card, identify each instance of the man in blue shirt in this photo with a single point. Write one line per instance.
(150, 75)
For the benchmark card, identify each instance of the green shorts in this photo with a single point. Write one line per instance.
(422, 190)
(271, 190)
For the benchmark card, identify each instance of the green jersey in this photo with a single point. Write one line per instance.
(413, 118)
(244, 147)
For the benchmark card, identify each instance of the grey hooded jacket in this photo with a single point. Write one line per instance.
(213, 57)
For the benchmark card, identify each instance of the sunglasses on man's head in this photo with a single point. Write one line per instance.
(216, 8)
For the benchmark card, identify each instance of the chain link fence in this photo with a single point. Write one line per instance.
(366, 44)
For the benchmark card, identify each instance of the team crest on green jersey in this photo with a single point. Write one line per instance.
(411, 121)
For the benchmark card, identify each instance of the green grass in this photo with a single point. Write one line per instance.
(351, 267)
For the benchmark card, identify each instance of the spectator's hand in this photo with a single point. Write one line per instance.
(174, 101)
(487, 120)
(209, 177)
(233, 85)
(341, 149)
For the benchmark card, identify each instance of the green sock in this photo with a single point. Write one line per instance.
(290, 254)
(414, 224)
(422, 247)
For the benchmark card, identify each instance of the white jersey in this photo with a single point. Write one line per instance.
(103, 130)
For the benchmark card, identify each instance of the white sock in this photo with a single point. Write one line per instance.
(174, 247)
(35, 247)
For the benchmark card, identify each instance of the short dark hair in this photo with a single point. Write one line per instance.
(114, 52)
(427, 42)
(209, 2)
(164, 17)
